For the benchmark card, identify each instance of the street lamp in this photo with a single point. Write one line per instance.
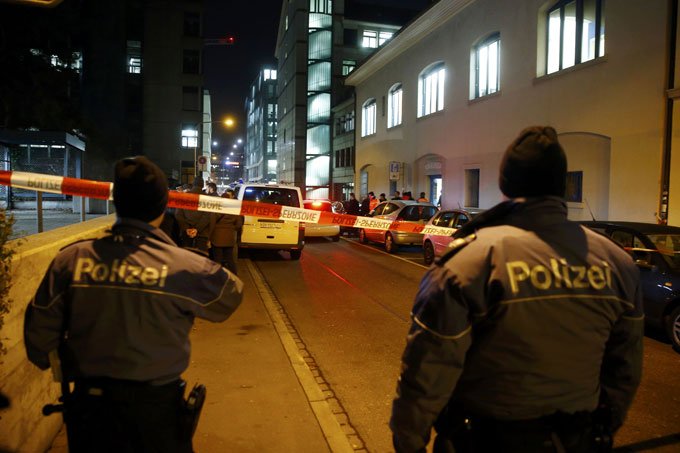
(228, 122)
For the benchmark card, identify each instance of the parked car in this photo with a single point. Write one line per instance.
(265, 233)
(656, 251)
(435, 245)
(317, 229)
(402, 210)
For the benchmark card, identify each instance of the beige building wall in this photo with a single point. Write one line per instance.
(609, 112)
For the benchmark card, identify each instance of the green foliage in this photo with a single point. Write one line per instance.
(6, 222)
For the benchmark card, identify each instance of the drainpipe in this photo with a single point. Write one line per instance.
(668, 126)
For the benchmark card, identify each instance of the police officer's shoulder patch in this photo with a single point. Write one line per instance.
(454, 247)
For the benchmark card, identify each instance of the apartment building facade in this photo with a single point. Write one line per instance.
(465, 77)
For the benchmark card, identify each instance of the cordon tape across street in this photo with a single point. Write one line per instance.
(195, 202)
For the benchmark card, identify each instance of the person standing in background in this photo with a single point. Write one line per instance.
(225, 229)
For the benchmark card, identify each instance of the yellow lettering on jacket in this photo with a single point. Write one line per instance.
(119, 272)
(558, 274)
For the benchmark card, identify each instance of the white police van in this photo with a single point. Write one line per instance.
(267, 233)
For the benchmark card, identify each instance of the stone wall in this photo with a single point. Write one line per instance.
(23, 428)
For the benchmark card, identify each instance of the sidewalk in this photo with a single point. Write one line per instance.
(256, 399)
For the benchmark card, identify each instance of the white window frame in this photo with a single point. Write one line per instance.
(485, 64)
(189, 137)
(431, 89)
(568, 40)
(394, 105)
(369, 39)
(369, 114)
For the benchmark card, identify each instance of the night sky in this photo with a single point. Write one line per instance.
(229, 70)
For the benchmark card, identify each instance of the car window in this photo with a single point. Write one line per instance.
(409, 213)
(426, 212)
(272, 195)
(668, 246)
(444, 219)
(624, 238)
(379, 209)
(461, 220)
(390, 208)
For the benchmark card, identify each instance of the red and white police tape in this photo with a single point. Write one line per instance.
(194, 202)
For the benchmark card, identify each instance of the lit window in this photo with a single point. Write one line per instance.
(189, 136)
(486, 64)
(431, 90)
(270, 74)
(575, 33)
(134, 57)
(348, 66)
(368, 119)
(394, 105)
(321, 6)
(370, 39)
(384, 36)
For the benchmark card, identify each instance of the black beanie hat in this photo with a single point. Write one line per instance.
(534, 165)
(140, 189)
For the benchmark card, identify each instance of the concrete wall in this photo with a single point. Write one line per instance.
(23, 428)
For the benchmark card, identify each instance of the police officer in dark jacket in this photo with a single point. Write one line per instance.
(119, 310)
(527, 334)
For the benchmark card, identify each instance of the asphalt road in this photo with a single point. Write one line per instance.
(350, 304)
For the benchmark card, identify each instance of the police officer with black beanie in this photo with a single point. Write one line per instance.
(527, 334)
(119, 309)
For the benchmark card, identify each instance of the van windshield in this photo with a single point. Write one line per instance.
(272, 195)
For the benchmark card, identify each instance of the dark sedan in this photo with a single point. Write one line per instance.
(656, 251)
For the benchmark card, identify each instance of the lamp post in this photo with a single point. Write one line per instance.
(227, 122)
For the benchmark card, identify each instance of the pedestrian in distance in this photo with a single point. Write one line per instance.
(423, 198)
(372, 201)
(397, 195)
(224, 232)
(365, 209)
(527, 334)
(382, 198)
(352, 205)
(194, 226)
(117, 312)
(211, 189)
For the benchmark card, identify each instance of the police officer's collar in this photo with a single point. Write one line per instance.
(135, 227)
(516, 212)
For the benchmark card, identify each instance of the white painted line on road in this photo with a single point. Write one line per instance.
(335, 436)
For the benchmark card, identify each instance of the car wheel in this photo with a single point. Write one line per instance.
(428, 253)
(336, 238)
(673, 327)
(362, 237)
(295, 254)
(390, 246)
